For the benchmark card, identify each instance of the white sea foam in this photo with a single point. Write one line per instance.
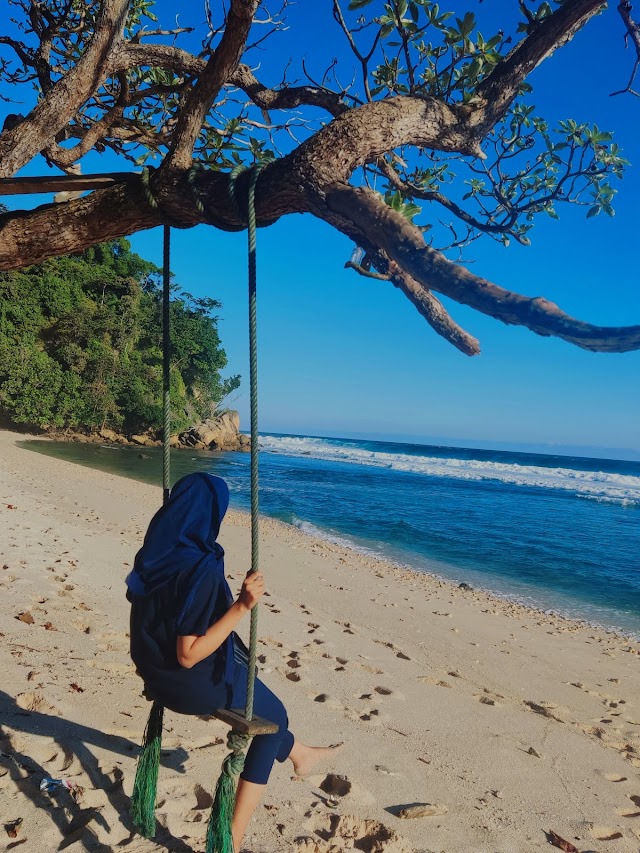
(343, 541)
(599, 485)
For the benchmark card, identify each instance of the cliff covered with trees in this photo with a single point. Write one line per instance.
(80, 346)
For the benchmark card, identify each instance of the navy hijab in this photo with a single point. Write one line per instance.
(181, 542)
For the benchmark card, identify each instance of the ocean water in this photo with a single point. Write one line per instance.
(556, 532)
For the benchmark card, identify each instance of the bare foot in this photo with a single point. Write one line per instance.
(305, 757)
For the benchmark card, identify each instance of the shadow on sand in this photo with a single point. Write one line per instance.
(75, 742)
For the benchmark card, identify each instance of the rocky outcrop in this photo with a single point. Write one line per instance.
(219, 432)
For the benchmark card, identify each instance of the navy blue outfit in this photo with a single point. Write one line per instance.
(178, 588)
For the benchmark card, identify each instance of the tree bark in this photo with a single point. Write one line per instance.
(404, 244)
(19, 145)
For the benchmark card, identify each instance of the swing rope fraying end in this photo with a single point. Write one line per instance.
(219, 838)
(145, 786)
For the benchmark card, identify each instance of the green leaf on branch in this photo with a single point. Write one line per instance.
(408, 209)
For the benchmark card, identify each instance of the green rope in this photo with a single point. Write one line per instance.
(143, 799)
(166, 364)
(146, 176)
(253, 383)
(145, 183)
(219, 839)
(145, 786)
(192, 177)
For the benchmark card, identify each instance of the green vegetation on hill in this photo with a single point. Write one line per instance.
(81, 338)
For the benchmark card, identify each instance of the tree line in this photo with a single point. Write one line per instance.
(81, 345)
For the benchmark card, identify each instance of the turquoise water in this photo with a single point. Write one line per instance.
(557, 532)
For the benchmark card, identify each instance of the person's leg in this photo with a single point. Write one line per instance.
(248, 796)
(263, 751)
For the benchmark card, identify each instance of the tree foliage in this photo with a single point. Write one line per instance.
(435, 142)
(81, 345)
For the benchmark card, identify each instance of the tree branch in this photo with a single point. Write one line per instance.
(219, 69)
(29, 237)
(62, 102)
(403, 243)
(433, 311)
(65, 157)
(500, 87)
(433, 195)
(182, 62)
(633, 32)
(288, 97)
(365, 133)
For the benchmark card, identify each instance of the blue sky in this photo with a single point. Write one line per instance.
(345, 355)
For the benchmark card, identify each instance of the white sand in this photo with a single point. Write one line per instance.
(438, 693)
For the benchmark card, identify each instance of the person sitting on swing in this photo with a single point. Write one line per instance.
(183, 619)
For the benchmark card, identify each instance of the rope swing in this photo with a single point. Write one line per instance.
(244, 725)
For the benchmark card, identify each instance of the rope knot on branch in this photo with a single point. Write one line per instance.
(151, 197)
(247, 210)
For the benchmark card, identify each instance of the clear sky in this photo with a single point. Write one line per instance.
(345, 355)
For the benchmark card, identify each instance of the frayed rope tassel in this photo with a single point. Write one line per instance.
(219, 838)
(145, 786)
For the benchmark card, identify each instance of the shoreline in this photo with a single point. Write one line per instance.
(512, 722)
(494, 595)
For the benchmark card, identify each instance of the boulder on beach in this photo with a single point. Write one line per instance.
(219, 432)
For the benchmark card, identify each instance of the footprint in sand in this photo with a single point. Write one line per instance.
(40, 750)
(112, 666)
(204, 800)
(36, 702)
(373, 670)
(627, 812)
(615, 777)
(329, 701)
(370, 715)
(399, 654)
(436, 682)
(341, 832)
(603, 833)
(487, 697)
(545, 709)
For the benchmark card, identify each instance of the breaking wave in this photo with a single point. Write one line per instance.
(608, 487)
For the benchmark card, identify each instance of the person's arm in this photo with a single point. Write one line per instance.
(190, 649)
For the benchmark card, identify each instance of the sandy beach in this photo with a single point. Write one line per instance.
(509, 722)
